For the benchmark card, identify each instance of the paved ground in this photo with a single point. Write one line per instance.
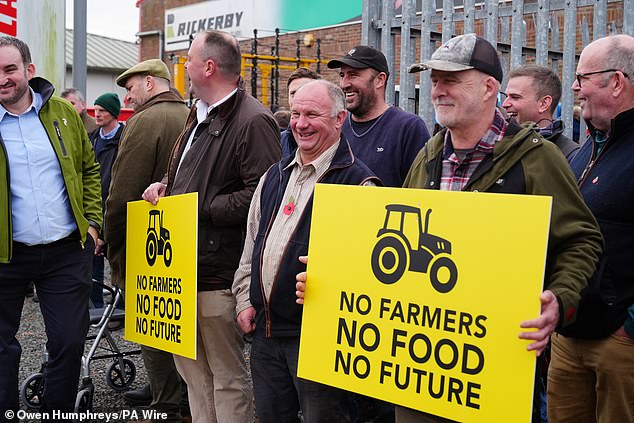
(32, 338)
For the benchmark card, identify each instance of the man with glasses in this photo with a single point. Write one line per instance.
(590, 377)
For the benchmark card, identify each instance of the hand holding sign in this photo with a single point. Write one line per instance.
(301, 282)
(154, 192)
(545, 323)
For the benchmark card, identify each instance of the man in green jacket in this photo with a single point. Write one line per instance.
(50, 215)
(480, 151)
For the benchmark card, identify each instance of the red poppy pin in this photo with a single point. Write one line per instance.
(289, 208)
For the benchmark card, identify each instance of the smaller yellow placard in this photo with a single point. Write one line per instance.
(161, 263)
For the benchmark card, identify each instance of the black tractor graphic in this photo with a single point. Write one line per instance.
(157, 242)
(394, 252)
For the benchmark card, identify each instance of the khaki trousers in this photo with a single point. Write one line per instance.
(591, 380)
(217, 381)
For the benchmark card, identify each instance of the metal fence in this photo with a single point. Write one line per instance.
(421, 26)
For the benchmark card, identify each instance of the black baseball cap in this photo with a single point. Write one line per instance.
(464, 52)
(362, 57)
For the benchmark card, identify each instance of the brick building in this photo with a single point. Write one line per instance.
(333, 42)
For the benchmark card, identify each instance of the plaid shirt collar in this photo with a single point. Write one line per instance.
(494, 134)
(456, 173)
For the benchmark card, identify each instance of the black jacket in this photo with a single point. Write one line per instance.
(232, 148)
(284, 316)
(567, 146)
(106, 157)
(606, 182)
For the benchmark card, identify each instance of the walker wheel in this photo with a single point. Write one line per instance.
(31, 391)
(120, 380)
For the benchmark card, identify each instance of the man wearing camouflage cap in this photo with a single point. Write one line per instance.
(146, 143)
(479, 151)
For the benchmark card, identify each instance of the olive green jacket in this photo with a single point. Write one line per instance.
(525, 163)
(144, 151)
(80, 170)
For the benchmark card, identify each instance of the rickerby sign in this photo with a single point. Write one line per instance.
(241, 17)
(416, 298)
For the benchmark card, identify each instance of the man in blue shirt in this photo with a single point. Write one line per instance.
(50, 215)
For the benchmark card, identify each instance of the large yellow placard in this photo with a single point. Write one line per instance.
(416, 296)
(161, 260)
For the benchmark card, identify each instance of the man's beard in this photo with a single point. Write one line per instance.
(20, 91)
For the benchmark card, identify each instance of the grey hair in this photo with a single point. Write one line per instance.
(73, 91)
(336, 95)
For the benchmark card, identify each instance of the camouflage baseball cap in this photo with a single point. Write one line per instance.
(464, 52)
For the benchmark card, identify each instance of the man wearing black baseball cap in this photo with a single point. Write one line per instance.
(385, 138)
(479, 151)
(362, 57)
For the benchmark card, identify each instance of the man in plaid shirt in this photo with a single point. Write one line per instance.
(480, 151)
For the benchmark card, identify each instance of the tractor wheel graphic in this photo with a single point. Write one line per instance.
(389, 259)
(167, 254)
(151, 249)
(443, 274)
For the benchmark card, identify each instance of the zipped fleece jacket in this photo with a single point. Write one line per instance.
(144, 150)
(524, 163)
(232, 149)
(606, 181)
(69, 139)
(284, 316)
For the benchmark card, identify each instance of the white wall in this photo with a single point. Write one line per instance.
(97, 83)
(41, 25)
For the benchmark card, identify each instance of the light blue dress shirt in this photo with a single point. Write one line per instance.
(40, 207)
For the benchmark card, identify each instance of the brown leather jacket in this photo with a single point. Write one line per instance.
(235, 145)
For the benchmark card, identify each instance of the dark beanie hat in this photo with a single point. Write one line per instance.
(110, 102)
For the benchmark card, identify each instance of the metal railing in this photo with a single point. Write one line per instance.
(422, 25)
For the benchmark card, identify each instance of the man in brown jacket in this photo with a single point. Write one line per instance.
(76, 98)
(230, 140)
(144, 150)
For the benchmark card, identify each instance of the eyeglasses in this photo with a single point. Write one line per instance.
(587, 74)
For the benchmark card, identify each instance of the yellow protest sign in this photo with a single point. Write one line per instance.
(416, 296)
(161, 260)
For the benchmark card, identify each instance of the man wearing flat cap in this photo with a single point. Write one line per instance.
(146, 142)
(479, 151)
(105, 142)
(384, 137)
